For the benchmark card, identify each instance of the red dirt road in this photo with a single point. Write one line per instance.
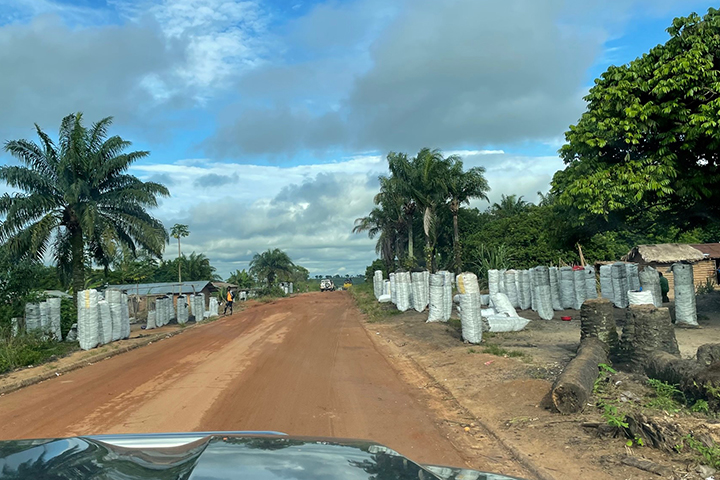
(303, 366)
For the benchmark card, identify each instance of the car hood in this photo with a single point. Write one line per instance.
(215, 456)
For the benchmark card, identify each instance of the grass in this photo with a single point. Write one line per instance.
(30, 349)
(708, 455)
(494, 349)
(667, 397)
(368, 304)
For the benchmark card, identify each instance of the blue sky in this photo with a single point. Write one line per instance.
(269, 120)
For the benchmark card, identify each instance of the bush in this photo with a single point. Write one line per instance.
(270, 291)
(29, 349)
(68, 315)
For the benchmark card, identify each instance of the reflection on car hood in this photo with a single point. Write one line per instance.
(214, 456)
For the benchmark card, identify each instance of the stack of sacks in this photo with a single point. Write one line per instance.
(470, 318)
(590, 282)
(493, 281)
(436, 311)
(567, 287)
(105, 330)
(183, 312)
(684, 289)
(620, 287)
(542, 289)
(449, 279)
(402, 285)
(580, 287)
(650, 281)
(633, 277)
(554, 274)
(88, 318)
(606, 283)
(214, 306)
(393, 293)
(377, 283)
(511, 290)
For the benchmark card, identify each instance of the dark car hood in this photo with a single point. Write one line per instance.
(211, 456)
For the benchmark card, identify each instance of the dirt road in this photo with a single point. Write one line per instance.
(303, 365)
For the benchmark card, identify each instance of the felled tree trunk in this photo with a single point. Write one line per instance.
(574, 386)
(708, 354)
(597, 320)
(692, 378)
(647, 330)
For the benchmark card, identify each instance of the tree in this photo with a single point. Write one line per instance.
(649, 141)
(241, 278)
(397, 189)
(270, 264)
(179, 230)
(77, 198)
(462, 187)
(509, 205)
(428, 184)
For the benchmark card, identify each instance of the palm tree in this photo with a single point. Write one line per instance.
(509, 205)
(270, 264)
(399, 186)
(177, 231)
(429, 187)
(378, 224)
(462, 187)
(197, 267)
(78, 199)
(241, 278)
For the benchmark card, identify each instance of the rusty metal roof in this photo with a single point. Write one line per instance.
(711, 250)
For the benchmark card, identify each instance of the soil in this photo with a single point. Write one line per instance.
(303, 365)
(511, 395)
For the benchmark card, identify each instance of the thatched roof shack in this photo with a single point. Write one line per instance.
(662, 256)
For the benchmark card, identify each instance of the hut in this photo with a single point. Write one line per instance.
(143, 295)
(662, 257)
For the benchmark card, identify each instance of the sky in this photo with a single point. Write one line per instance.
(269, 121)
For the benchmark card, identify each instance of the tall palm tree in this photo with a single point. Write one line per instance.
(462, 187)
(399, 185)
(78, 199)
(179, 231)
(197, 267)
(270, 264)
(429, 187)
(379, 223)
(509, 205)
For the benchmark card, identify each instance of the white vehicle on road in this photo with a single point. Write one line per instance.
(326, 285)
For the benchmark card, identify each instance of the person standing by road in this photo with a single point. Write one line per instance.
(229, 297)
(664, 288)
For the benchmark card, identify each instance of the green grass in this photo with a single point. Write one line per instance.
(494, 349)
(30, 349)
(667, 397)
(368, 304)
(707, 455)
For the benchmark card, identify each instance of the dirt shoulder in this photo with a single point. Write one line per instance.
(508, 392)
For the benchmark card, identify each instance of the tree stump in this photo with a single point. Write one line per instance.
(647, 330)
(597, 320)
(574, 386)
(708, 354)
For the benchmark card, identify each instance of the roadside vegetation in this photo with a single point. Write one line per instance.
(368, 304)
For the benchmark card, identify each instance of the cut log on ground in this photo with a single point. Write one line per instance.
(647, 330)
(574, 386)
(708, 354)
(597, 320)
(694, 379)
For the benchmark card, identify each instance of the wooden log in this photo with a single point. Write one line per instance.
(708, 354)
(574, 386)
(597, 320)
(647, 330)
(694, 379)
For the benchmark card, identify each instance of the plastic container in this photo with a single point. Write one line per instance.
(565, 319)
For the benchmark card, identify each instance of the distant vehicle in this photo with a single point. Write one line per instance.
(348, 283)
(216, 455)
(326, 285)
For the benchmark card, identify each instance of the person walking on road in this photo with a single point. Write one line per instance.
(664, 288)
(229, 297)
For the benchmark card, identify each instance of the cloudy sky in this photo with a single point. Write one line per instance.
(269, 120)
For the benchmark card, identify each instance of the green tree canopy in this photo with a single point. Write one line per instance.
(271, 264)
(650, 138)
(241, 278)
(78, 199)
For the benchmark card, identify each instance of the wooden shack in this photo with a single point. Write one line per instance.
(662, 256)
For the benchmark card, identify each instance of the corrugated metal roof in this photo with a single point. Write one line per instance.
(666, 253)
(163, 288)
(712, 250)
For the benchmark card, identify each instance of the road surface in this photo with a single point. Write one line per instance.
(302, 365)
